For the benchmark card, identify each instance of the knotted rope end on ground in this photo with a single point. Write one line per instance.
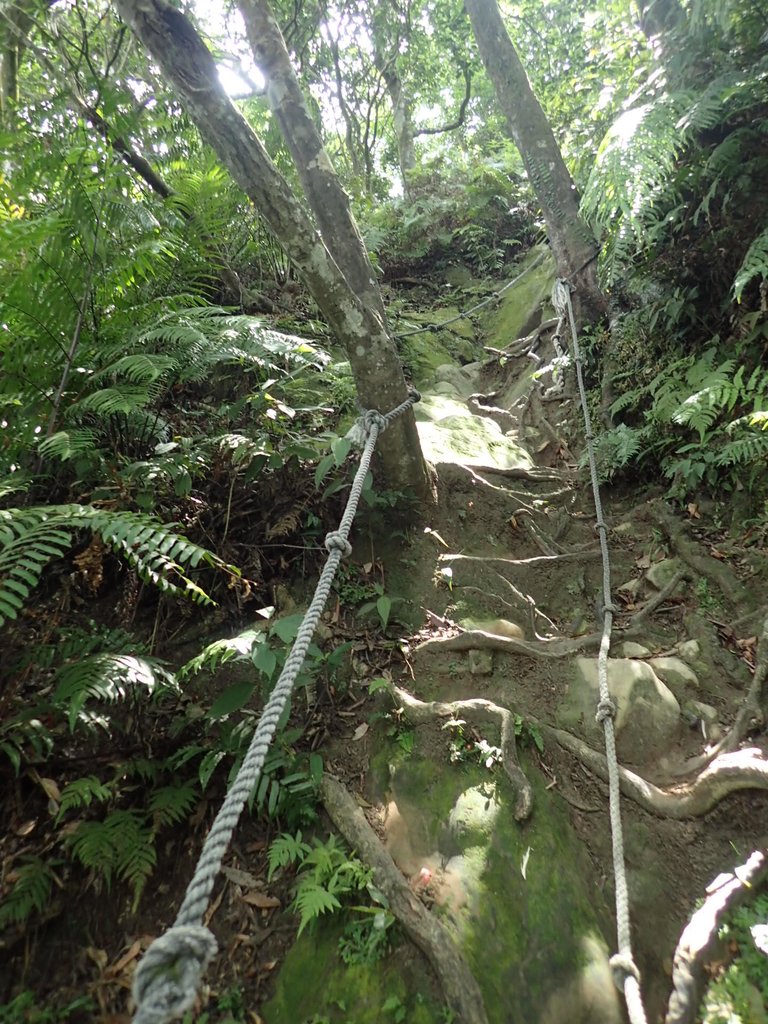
(168, 976)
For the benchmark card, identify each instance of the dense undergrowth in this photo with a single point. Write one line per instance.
(160, 445)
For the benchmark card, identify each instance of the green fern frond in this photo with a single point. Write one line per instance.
(754, 264)
(107, 678)
(30, 892)
(311, 901)
(82, 793)
(285, 850)
(125, 399)
(30, 538)
(221, 651)
(170, 804)
(627, 185)
(745, 451)
(67, 444)
(141, 368)
(121, 846)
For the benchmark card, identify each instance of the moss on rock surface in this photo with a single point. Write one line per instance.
(520, 308)
(314, 985)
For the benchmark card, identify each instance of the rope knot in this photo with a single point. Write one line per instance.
(622, 967)
(605, 709)
(336, 541)
(167, 979)
(372, 418)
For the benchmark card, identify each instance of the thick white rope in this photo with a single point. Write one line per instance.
(625, 970)
(167, 979)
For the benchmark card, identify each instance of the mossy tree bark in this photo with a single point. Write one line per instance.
(175, 45)
(573, 243)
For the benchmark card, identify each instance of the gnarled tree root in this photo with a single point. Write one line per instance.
(698, 943)
(419, 712)
(703, 565)
(477, 640)
(744, 769)
(460, 989)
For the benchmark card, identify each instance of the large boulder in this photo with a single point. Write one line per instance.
(647, 712)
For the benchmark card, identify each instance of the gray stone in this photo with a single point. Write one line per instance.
(647, 713)
(481, 663)
(463, 378)
(703, 711)
(676, 674)
(447, 389)
(661, 573)
(628, 649)
(689, 651)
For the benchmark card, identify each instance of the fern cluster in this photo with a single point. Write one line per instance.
(30, 538)
(705, 422)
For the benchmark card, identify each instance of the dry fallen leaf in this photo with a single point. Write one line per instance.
(644, 562)
(244, 878)
(99, 956)
(359, 732)
(51, 789)
(119, 965)
(693, 510)
(26, 828)
(261, 900)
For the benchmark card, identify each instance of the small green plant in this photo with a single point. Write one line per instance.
(326, 874)
(528, 733)
(25, 1010)
(708, 602)
(366, 939)
(469, 748)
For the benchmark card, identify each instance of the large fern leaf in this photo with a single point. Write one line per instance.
(754, 264)
(106, 678)
(32, 537)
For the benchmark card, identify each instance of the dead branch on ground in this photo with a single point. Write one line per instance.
(460, 988)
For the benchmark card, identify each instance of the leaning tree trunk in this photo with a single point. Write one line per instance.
(327, 199)
(573, 243)
(183, 57)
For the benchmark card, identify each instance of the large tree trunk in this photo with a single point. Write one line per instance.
(183, 57)
(327, 199)
(573, 244)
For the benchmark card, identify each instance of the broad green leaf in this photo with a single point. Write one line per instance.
(233, 698)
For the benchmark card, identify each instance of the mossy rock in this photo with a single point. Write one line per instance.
(315, 984)
(520, 308)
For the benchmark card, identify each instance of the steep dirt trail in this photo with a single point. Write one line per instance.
(507, 574)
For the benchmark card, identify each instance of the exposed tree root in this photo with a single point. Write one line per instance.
(477, 640)
(524, 607)
(744, 769)
(703, 565)
(419, 712)
(698, 943)
(517, 473)
(657, 600)
(461, 991)
(566, 556)
(753, 709)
